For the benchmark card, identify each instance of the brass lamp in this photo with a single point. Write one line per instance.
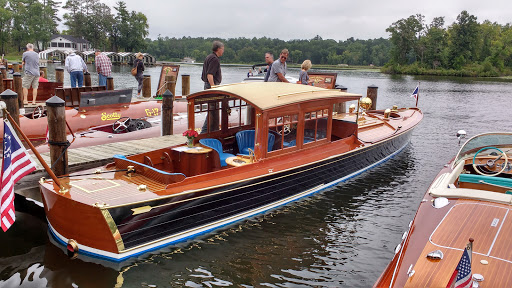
(364, 104)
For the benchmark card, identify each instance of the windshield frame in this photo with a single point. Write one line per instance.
(475, 143)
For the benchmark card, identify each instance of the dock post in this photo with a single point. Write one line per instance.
(167, 115)
(87, 79)
(15, 67)
(18, 88)
(59, 75)
(185, 84)
(1, 83)
(371, 92)
(146, 86)
(45, 71)
(110, 83)
(341, 107)
(11, 101)
(3, 69)
(171, 83)
(56, 113)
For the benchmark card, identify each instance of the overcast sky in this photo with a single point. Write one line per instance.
(299, 19)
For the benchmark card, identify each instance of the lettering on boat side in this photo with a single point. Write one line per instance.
(113, 116)
(495, 222)
(152, 112)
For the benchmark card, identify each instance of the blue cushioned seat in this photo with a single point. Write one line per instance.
(471, 178)
(245, 140)
(217, 146)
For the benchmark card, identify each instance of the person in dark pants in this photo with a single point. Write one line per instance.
(139, 63)
(212, 75)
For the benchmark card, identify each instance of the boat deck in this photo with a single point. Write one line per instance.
(489, 224)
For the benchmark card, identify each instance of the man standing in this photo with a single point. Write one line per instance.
(212, 75)
(278, 70)
(75, 66)
(269, 59)
(103, 67)
(30, 60)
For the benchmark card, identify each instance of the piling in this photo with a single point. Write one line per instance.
(167, 115)
(59, 75)
(45, 71)
(1, 83)
(16, 67)
(146, 86)
(11, 101)
(340, 107)
(18, 88)
(87, 79)
(3, 69)
(371, 92)
(185, 84)
(56, 114)
(171, 83)
(110, 83)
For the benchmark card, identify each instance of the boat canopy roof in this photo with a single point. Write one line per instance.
(269, 95)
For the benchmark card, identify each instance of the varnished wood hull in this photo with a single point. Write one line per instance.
(190, 213)
(448, 229)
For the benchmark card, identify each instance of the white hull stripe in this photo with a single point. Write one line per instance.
(212, 226)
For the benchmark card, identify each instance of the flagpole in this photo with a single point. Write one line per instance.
(36, 153)
(418, 95)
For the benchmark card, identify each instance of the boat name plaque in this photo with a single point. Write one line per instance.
(495, 222)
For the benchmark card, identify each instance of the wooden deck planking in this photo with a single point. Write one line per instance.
(103, 153)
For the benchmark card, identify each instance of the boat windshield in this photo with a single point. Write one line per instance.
(483, 140)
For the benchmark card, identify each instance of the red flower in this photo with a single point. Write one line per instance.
(190, 134)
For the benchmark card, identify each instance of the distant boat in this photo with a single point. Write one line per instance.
(469, 198)
(286, 143)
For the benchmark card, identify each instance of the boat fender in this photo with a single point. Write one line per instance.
(72, 249)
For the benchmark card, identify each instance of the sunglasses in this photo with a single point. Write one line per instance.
(282, 57)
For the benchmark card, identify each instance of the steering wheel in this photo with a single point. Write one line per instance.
(491, 162)
(121, 124)
(38, 112)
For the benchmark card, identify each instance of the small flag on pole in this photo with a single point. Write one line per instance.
(462, 276)
(16, 163)
(416, 92)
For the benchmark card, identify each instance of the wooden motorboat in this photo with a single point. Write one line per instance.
(469, 198)
(297, 145)
(44, 92)
(92, 112)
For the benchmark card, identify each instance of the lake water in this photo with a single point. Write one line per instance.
(341, 237)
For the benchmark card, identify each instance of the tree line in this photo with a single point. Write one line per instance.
(34, 21)
(250, 51)
(465, 48)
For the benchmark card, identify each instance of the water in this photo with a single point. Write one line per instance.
(342, 237)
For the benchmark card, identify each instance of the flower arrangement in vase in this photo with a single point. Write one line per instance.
(191, 135)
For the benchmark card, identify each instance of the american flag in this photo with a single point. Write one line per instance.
(462, 276)
(15, 164)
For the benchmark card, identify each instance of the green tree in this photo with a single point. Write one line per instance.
(435, 43)
(404, 36)
(463, 40)
(5, 25)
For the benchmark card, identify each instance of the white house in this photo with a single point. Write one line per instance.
(67, 42)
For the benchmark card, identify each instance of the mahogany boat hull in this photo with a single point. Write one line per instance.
(455, 208)
(198, 212)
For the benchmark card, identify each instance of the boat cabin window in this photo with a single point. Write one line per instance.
(208, 116)
(284, 129)
(315, 125)
(237, 112)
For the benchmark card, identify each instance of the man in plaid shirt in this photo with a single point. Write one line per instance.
(103, 66)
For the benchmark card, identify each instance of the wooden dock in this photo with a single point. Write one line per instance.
(95, 156)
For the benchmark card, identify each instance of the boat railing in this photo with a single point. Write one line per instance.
(152, 173)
